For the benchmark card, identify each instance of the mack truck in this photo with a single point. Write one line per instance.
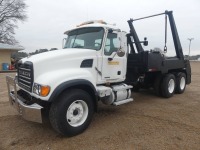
(98, 62)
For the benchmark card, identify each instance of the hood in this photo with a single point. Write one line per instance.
(62, 54)
(63, 59)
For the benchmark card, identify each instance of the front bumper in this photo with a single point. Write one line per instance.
(31, 112)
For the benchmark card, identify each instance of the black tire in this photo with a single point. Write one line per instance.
(72, 112)
(180, 83)
(157, 85)
(168, 85)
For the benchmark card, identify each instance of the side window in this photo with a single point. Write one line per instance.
(112, 44)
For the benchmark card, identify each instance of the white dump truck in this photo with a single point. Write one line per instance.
(98, 62)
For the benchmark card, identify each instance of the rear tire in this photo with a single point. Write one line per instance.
(180, 83)
(72, 113)
(157, 85)
(168, 85)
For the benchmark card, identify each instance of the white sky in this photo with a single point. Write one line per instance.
(48, 19)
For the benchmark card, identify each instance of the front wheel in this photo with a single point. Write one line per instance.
(72, 113)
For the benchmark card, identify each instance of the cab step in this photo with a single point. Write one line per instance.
(123, 102)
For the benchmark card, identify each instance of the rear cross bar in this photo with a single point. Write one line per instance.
(166, 12)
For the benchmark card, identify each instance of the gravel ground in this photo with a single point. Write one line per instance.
(150, 122)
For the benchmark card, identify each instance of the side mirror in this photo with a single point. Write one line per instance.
(120, 52)
(110, 30)
(63, 42)
(145, 43)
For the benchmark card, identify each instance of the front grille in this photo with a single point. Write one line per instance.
(25, 75)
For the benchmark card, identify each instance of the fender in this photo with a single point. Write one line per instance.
(77, 82)
(58, 78)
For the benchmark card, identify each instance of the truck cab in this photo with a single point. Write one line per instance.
(107, 42)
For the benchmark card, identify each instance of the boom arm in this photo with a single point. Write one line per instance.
(135, 37)
(177, 43)
(176, 40)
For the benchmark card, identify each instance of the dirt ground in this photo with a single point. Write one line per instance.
(150, 122)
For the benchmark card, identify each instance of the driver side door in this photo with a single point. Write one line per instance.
(113, 64)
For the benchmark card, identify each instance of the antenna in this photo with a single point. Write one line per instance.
(87, 10)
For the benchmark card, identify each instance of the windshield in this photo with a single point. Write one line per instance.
(88, 38)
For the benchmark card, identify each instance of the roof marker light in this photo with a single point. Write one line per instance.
(91, 22)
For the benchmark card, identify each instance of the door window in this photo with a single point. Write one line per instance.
(112, 44)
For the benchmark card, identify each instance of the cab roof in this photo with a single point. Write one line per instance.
(94, 24)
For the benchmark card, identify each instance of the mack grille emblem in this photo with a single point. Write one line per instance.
(24, 73)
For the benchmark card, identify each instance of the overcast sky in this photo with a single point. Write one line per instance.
(48, 19)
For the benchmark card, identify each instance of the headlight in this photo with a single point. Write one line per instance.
(41, 90)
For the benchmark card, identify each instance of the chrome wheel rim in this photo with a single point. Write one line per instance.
(77, 113)
(182, 83)
(171, 86)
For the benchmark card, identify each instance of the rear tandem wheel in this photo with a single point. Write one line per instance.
(168, 85)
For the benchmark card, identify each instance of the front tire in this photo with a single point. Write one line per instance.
(168, 85)
(72, 113)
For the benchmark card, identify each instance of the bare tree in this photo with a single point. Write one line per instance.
(11, 11)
